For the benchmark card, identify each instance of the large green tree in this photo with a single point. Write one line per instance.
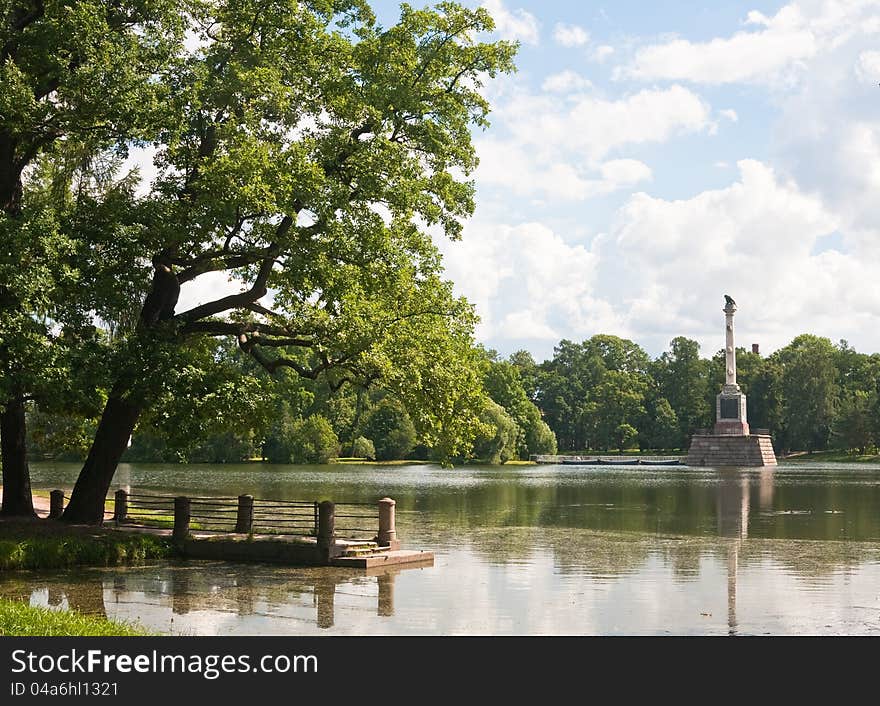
(74, 76)
(307, 153)
(810, 391)
(683, 381)
(503, 383)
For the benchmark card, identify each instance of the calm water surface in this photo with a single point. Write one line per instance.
(523, 550)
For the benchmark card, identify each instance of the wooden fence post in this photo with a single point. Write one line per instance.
(181, 518)
(120, 508)
(56, 504)
(387, 536)
(326, 529)
(244, 522)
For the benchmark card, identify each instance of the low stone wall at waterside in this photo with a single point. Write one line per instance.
(266, 550)
(726, 450)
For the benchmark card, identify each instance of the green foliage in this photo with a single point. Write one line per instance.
(22, 620)
(856, 425)
(661, 428)
(363, 448)
(51, 552)
(503, 384)
(498, 443)
(810, 392)
(312, 440)
(682, 379)
(587, 391)
(391, 429)
(76, 89)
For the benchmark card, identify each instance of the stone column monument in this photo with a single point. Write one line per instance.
(731, 443)
(730, 404)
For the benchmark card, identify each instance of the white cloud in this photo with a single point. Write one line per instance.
(570, 35)
(502, 164)
(523, 173)
(206, 288)
(662, 267)
(526, 282)
(565, 82)
(755, 239)
(513, 24)
(602, 52)
(592, 126)
(778, 51)
(625, 171)
(141, 159)
(729, 113)
(868, 67)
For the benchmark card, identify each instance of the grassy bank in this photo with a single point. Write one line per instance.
(44, 544)
(833, 456)
(22, 620)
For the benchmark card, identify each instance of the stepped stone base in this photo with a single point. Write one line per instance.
(727, 450)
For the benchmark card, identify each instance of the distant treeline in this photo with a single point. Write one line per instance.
(607, 393)
(603, 394)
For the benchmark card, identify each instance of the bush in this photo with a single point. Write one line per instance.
(540, 439)
(313, 440)
(363, 448)
(391, 430)
(61, 552)
(499, 444)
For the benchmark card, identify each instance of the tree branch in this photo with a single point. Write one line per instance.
(257, 290)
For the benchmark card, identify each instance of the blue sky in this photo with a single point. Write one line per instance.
(649, 157)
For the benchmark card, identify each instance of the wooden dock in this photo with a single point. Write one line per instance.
(604, 460)
(247, 529)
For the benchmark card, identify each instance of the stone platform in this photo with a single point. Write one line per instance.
(731, 450)
(414, 558)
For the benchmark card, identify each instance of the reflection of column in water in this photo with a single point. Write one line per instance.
(181, 591)
(733, 506)
(733, 522)
(765, 489)
(325, 593)
(732, 562)
(244, 595)
(385, 605)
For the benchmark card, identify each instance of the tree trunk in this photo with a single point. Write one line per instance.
(17, 500)
(120, 414)
(111, 440)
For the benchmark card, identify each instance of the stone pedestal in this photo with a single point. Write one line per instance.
(720, 450)
(730, 412)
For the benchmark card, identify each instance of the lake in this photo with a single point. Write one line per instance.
(522, 550)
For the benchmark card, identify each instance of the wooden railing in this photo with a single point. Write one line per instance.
(248, 515)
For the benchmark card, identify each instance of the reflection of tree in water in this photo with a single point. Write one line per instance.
(723, 508)
(211, 586)
(799, 506)
(83, 596)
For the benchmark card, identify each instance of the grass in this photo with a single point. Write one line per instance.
(158, 519)
(22, 620)
(44, 544)
(832, 456)
(364, 462)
